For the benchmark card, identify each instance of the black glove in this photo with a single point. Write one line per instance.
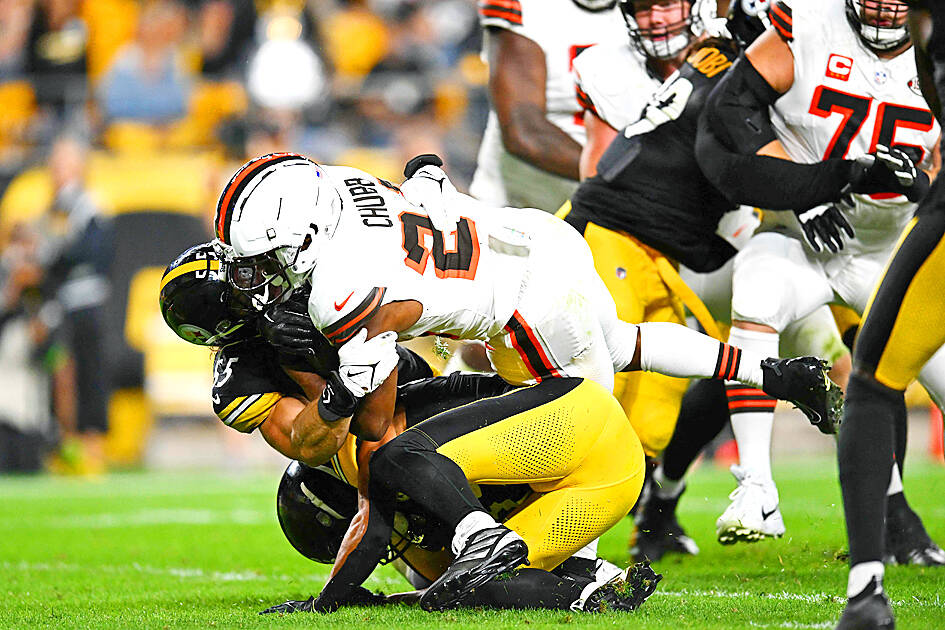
(415, 164)
(358, 596)
(889, 170)
(300, 345)
(291, 606)
(824, 223)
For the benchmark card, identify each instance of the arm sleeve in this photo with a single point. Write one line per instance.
(505, 14)
(734, 125)
(768, 182)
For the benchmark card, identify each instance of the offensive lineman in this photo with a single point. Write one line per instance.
(834, 93)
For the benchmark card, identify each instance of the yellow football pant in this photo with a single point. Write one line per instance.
(629, 270)
(904, 322)
(573, 446)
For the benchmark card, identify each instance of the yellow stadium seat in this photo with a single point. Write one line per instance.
(17, 104)
(356, 40)
(177, 375)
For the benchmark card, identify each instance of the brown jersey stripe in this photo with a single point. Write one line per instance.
(502, 14)
(529, 348)
(782, 19)
(347, 326)
(584, 100)
(509, 6)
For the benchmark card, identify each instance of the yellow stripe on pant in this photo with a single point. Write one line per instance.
(903, 323)
(629, 270)
(577, 451)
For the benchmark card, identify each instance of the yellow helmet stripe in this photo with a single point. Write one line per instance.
(196, 265)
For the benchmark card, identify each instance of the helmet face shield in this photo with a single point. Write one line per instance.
(880, 24)
(660, 29)
(263, 279)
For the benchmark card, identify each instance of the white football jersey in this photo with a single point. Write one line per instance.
(563, 31)
(386, 250)
(613, 82)
(844, 101)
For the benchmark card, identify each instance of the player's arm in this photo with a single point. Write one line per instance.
(517, 75)
(735, 137)
(375, 413)
(599, 137)
(295, 428)
(365, 542)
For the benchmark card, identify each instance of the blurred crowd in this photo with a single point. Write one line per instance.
(119, 122)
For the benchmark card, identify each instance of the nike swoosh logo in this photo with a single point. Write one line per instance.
(353, 374)
(338, 307)
(765, 515)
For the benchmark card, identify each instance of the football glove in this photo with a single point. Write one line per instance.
(366, 363)
(428, 187)
(292, 334)
(358, 596)
(889, 170)
(825, 223)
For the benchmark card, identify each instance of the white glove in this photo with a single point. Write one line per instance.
(365, 365)
(430, 189)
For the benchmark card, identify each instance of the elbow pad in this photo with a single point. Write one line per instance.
(737, 109)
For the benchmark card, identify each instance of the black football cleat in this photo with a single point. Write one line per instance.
(291, 606)
(869, 610)
(803, 381)
(488, 553)
(658, 531)
(907, 542)
(627, 592)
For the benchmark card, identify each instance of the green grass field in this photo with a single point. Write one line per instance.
(160, 550)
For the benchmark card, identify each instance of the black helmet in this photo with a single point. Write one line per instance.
(315, 509)
(879, 38)
(198, 304)
(747, 19)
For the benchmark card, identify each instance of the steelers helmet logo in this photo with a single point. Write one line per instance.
(193, 334)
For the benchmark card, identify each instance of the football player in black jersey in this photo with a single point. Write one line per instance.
(252, 383)
(650, 202)
(902, 328)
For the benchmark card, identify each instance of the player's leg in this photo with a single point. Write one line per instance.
(535, 434)
(901, 331)
(773, 285)
(703, 414)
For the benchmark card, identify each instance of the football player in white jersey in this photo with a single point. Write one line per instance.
(532, 142)
(840, 85)
(519, 279)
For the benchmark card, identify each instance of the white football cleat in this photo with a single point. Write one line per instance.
(753, 514)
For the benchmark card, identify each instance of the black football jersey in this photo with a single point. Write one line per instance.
(648, 182)
(248, 381)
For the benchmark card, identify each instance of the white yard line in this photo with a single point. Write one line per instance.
(187, 573)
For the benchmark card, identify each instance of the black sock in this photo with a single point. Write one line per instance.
(411, 465)
(702, 416)
(865, 456)
(901, 434)
(527, 588)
